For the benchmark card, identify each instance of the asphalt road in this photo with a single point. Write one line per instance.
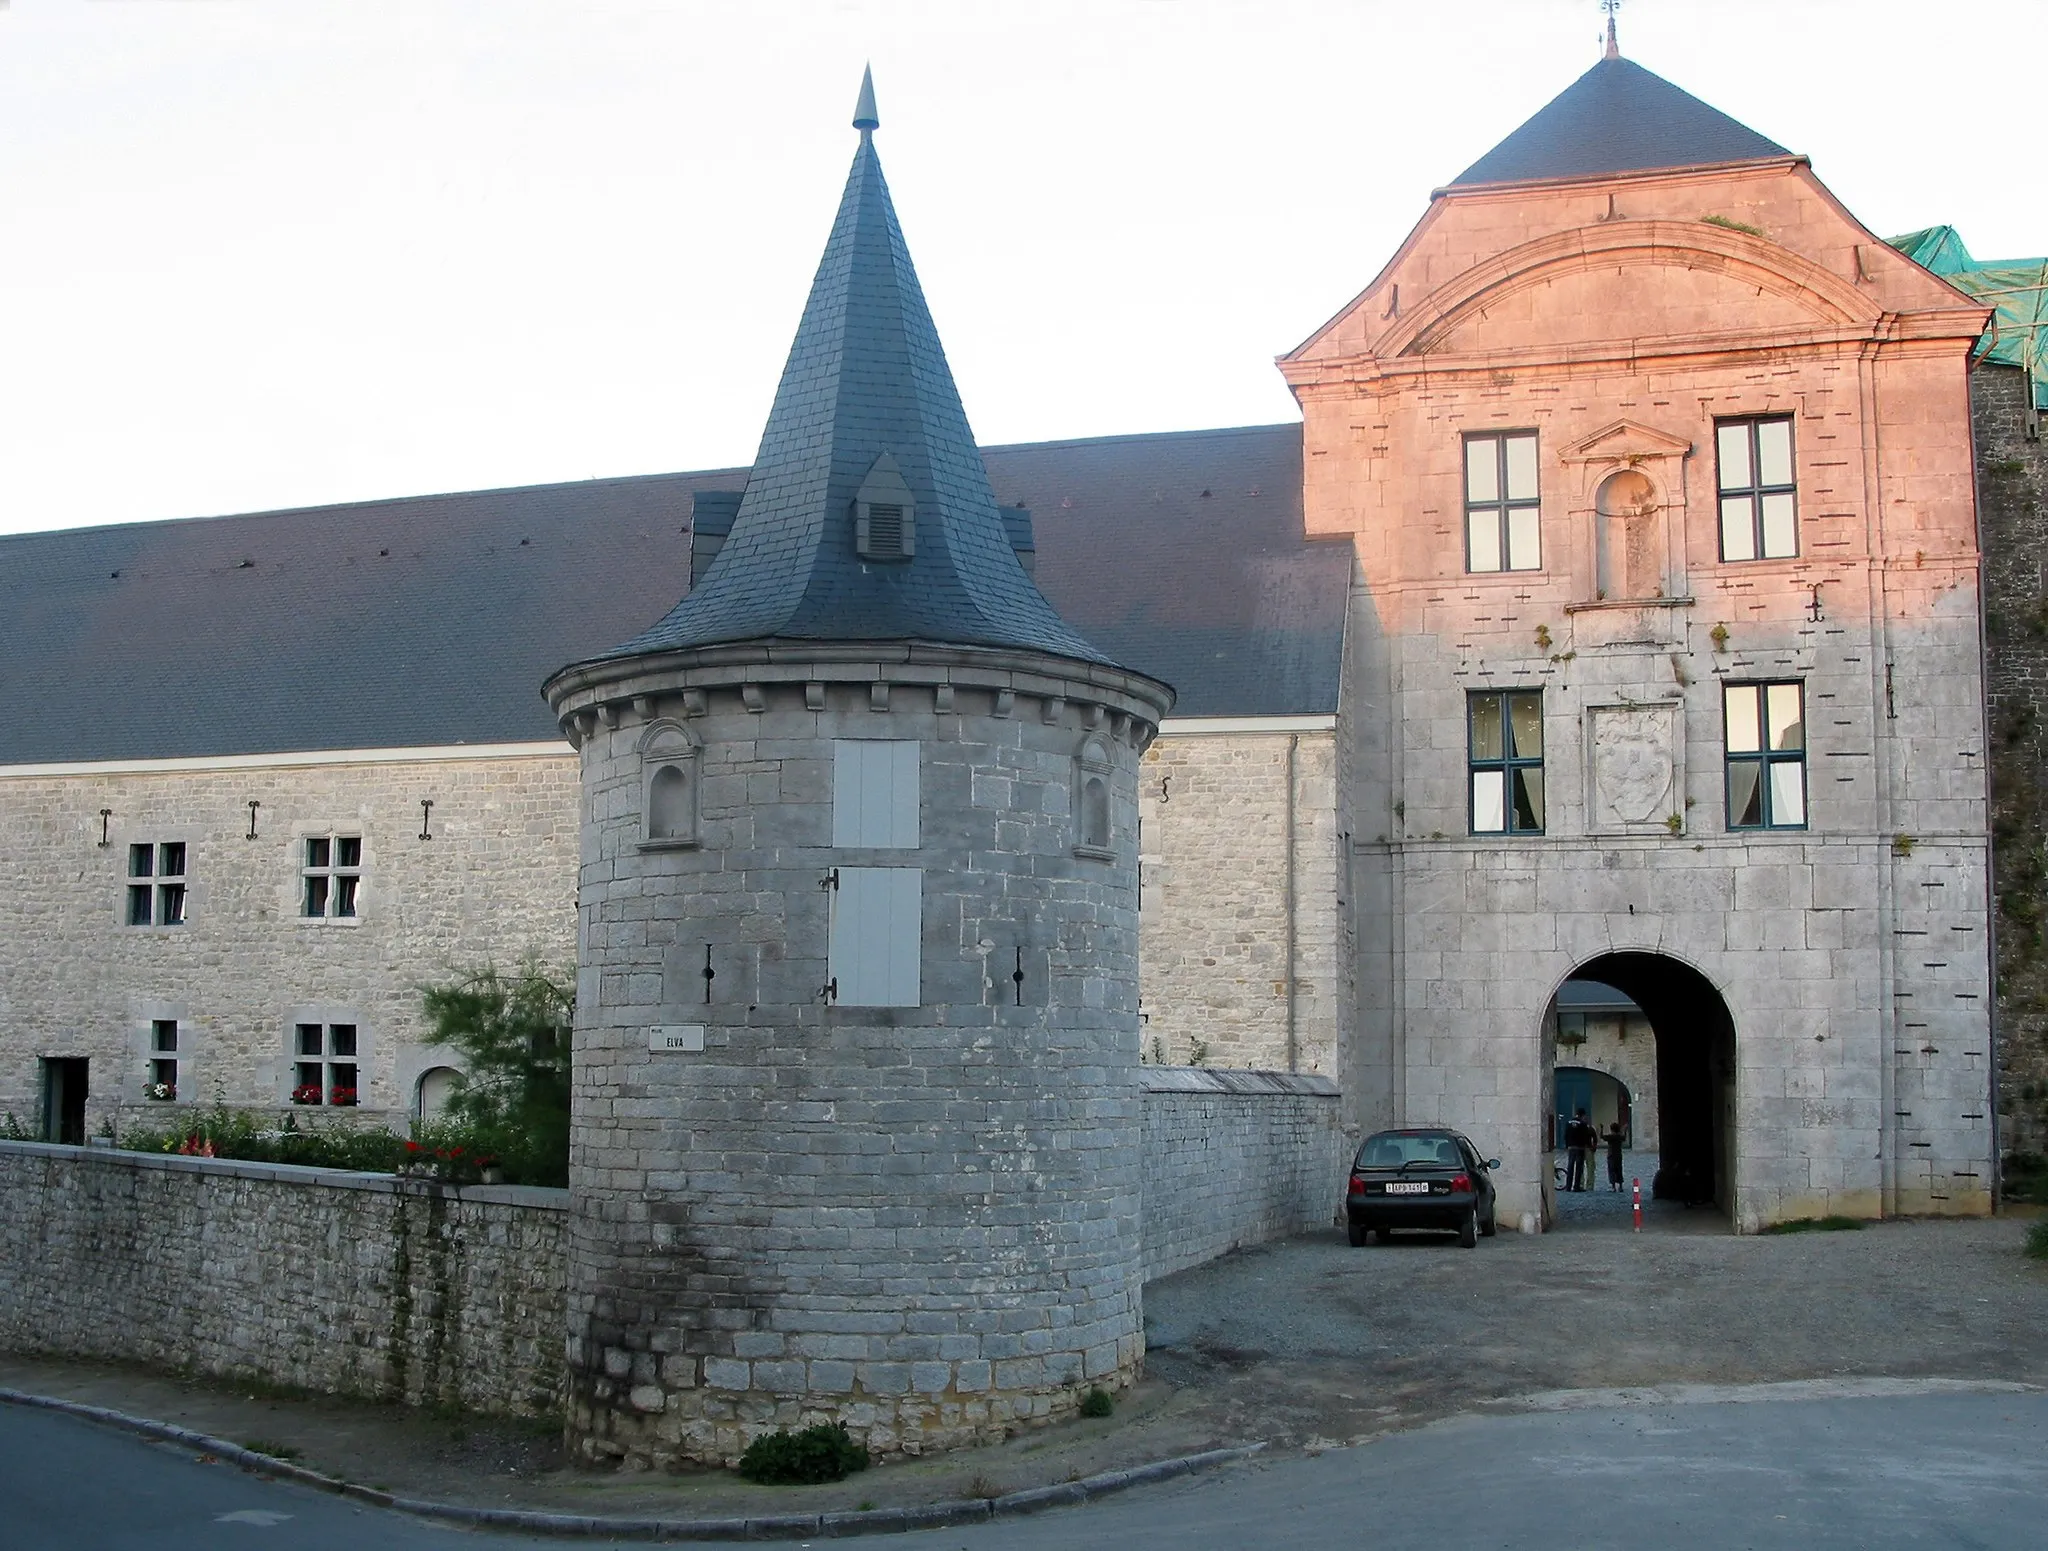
(1930, 1468)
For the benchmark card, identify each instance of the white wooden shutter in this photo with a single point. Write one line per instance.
(874, 792)
(874, 948)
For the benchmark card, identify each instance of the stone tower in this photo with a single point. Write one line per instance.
(856, 1131)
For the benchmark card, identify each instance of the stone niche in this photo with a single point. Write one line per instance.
(1635, 773)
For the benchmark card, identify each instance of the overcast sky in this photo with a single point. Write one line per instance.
(266, 253)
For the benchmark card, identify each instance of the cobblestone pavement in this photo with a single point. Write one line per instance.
(1306, 1343)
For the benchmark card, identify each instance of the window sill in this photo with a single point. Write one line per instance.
(672, 843)
(1628, 603)
(349, 921)
(1095, 853)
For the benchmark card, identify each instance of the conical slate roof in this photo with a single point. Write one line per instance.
(866, 377)
(1618, 117)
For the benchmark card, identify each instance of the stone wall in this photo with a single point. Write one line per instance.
(495, 882)
(2012, 513)
(1217, 857)
(1236, 1158)
(351, 1284)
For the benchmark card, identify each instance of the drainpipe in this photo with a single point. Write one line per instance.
(1293, 1039)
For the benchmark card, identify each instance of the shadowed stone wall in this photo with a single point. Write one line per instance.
(1237, 1158)
(2012, 511)
(348, 1284)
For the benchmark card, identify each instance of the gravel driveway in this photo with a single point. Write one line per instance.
(1309, 1342)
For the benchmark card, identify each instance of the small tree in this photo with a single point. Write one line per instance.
(514, 1034)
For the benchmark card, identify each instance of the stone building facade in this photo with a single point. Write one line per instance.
(211, 991)
(1658, 470)
(1246, 957)
(1315, 896)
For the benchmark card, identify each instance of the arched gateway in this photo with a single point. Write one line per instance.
(1696, 1070)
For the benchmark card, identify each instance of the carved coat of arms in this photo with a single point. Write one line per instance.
(1632, 763)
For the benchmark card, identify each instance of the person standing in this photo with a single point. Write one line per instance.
(1614, 1135)
(1578, 1142)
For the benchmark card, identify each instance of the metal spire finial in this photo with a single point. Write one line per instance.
(1613, 47)
(864, 118)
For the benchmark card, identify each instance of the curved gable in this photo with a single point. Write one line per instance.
(1671, 280)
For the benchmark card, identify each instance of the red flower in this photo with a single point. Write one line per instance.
(412, 1146)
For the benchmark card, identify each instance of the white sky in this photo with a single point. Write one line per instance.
(267, 253)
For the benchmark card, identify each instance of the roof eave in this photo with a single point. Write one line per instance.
(1628, 175)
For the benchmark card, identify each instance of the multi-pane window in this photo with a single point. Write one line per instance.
(1505, 753)
(163, 1059)
(156, 884)
(1759, 512)
(325, 1069)
(1501, 526)
(332, 873)
(1766, 726)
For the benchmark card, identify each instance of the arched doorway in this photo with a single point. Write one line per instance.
(1694, 1066)
(436, 1086)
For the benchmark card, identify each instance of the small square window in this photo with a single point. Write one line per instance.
(325, 1072)
(156, 887)
(1758, 497)
(331, 877)
(1503, 527)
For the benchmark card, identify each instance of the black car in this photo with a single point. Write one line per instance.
(1423, 1177)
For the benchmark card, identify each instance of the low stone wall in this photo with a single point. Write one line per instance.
(1235, 1158)
(359, 1284)
(353, 1284)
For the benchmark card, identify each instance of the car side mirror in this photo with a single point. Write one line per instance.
(1493, 1163)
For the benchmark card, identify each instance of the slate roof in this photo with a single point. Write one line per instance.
(865, 377)
(432, 620)
(1617, 117)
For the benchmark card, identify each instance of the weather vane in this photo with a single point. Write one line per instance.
(1611, 7)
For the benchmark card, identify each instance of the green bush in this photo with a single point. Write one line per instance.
(512, 1102)
(1097, 1402)
(221, 1132)
(2037, 1240)
(821, 1453)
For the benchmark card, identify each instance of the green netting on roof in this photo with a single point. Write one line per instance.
(2016, 290)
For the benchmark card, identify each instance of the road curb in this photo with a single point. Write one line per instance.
(791, 1526)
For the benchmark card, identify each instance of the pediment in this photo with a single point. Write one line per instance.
(1625, 441)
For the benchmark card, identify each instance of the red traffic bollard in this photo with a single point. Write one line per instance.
(1639, 1206)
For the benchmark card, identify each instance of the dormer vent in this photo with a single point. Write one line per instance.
(884, 514)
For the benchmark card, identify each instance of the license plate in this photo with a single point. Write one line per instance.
(1407, 1187)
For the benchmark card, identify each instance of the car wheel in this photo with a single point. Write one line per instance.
(1488, 1228)
(1356, 1232)
(1468, 1230)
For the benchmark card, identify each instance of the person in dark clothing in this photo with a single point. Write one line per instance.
(1579, 1139)
(1614, 1156)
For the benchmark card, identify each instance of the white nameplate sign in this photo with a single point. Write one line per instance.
(675, 1038)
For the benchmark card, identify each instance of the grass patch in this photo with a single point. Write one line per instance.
(817, 1454)
(2037, 1240)
(282, 1451)
(1829, 1224)
(1097, 1402)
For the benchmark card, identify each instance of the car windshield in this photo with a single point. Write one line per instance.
(1395, 1149)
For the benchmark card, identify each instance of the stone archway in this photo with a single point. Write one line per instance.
(1695, 1071)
